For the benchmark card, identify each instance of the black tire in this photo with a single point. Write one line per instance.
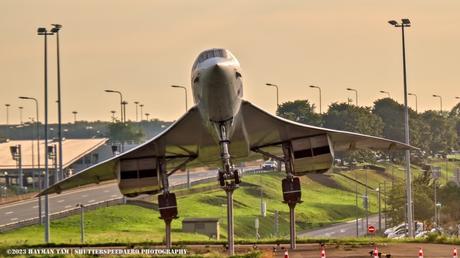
(236, 176)
(221, 178)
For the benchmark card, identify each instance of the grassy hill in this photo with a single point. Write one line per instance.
(327, 199)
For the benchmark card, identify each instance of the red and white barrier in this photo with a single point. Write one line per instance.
(323, 252)
(376, 253)
(420, 253)
(454, 253)
(286, 254)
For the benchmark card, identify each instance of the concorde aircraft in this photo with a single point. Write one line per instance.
(222, 129)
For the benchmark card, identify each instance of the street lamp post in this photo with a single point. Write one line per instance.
(44, 32)
(37, 124)
(406, 23)
(186, 95)
(356, 94)
(20, 115)
(137, 104)
(55, 30)
(113, 115)
(124, 103)
(277, 93)
(440, 100)
(122, 119)
(142, 110)
(147, 116)
(416, 101)
(386, 92)
(319, 89)
(74, 116)
(7, 113)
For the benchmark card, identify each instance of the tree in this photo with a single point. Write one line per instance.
(442, 131)
(299, 111)
(342, 116)
(122, 132)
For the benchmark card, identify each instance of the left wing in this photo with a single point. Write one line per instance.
(310, 143)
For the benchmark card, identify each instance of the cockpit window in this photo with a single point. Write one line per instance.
(212, 53)
(216, 52)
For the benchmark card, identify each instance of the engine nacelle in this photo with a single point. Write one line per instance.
(138, 176)
(312, 154)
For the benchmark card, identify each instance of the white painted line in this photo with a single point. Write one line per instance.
(91, 200)
(84, 196)
(14, 219)
(68, 206)
(8, 212)
(34, 207)
(113, 195)
(343, 230)
(60, 201)
(106, 191)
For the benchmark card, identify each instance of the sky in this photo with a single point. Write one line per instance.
(142, 47)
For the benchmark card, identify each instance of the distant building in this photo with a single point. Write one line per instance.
(205, 226)
(77, 154)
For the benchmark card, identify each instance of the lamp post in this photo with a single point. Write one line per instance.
(37, 123)
(147, 116)
(20, 115)
(113, 115)
(124, 103)
(440, 100)
(319, 89)
(386, 92)
(44, 32)
(142, 110)
(137, 104)
(7, 113)
(404, 24)
(416, 101)
(186, 95)
(74, 116)
(121, 103)
(277, 93)
(356, 94)
(56, 28)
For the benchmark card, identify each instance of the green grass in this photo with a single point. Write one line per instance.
(132, 224)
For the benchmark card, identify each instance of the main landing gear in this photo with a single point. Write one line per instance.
(167, 203)
(291, 187)
(229, 179)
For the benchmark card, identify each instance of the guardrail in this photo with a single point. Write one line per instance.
(141, 201)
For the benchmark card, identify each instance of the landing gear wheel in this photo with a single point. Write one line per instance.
(236, 176)
(221, 178)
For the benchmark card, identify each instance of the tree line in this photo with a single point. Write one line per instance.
(434, 132)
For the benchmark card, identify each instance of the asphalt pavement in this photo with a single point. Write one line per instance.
(345, 229)
(28, 209)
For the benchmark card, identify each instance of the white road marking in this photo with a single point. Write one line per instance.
(8, 212)
(113, 195)
(91, 200)
(14, 219)
(85, 195)
(343, 230)
(106, 191)
(34, 207)
(68, 206)
(60, 201)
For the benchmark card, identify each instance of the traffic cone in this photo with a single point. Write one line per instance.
(323, 252)
(376, 252)
(420, 253)
(454, 255)
(286, 254)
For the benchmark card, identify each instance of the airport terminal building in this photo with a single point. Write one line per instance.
(20, 159)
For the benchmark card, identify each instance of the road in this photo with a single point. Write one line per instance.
(28, 209)
(346, 229)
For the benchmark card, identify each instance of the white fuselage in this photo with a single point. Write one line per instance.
(217, 86)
